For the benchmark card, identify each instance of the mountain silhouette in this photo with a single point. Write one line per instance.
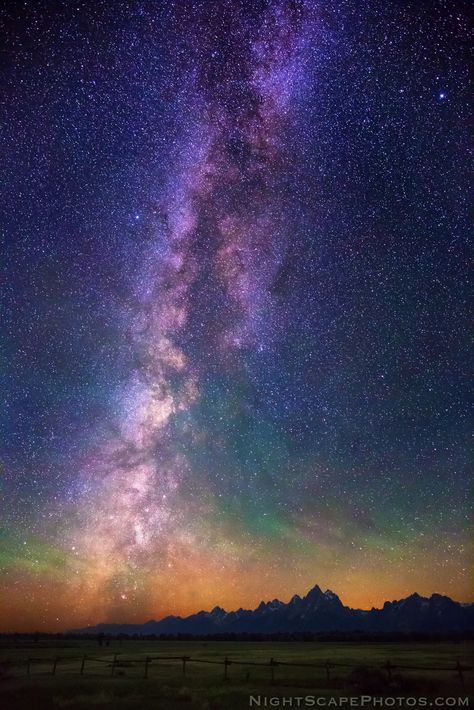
(318, 611)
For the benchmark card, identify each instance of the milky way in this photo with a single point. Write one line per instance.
(236, 305)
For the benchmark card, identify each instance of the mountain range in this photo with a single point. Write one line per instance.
(318, 611)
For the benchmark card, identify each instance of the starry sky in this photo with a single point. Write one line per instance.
(234, 305)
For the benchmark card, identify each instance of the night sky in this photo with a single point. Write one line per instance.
(234, 305)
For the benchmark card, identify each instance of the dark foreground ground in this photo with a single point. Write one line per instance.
(355, 669)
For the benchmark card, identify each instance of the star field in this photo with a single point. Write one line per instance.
(235, 354)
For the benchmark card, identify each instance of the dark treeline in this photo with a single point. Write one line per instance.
(356, 637)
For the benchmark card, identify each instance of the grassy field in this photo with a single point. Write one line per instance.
(204, 686)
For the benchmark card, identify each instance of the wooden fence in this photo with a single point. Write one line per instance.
(117, 663)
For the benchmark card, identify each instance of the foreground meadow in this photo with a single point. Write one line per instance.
(118, 675)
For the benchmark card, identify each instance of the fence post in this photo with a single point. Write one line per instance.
(328, 671)
(184, 659)
(83, 664)
(147, 661)
(113, 664)
(460, 673)
(55, 663)
(28, 661)
(226, 663)
(272, 670)
(389, 667)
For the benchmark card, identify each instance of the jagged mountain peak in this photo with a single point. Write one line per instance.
(274, 604)
(316, 598)
(315, 593)
(295, 599)
(415, 597)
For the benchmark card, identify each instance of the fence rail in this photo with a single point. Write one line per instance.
(117, 662)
